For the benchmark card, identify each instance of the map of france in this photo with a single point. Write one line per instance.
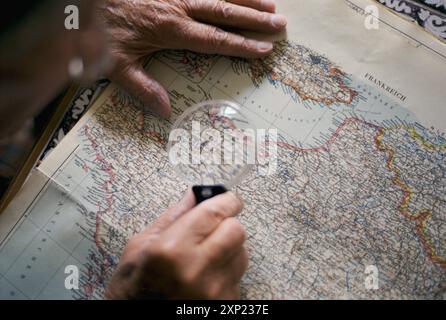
(360, 182)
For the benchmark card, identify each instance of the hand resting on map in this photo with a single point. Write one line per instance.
(139, 28)
(189, 253)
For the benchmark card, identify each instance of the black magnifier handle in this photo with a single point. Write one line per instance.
(203, 193)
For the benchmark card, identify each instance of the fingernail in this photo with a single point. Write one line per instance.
(188, 197)
(268, 5)
(278, 21)
(161, 106)
(236, 198)
(264, 46)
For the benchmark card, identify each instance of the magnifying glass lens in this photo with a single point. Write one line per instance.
(211, 147)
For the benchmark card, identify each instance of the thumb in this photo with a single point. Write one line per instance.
(172, 214)
(135, 81)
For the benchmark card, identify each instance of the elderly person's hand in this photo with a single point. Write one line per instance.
(138, 28)
(189, 253)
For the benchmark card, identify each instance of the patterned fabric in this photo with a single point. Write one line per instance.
(436, 4)
(430, 14)
(82, 101)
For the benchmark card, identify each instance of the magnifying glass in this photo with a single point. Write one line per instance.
(212, 147)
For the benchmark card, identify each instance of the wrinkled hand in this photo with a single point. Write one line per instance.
(189, 253)
(138, 28)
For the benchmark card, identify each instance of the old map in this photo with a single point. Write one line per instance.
(361, 183)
